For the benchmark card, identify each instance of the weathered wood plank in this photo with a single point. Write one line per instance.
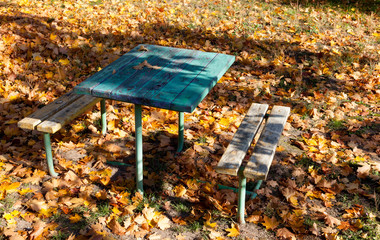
(188, 99)
(174, 66)
(164, 96)
(238, 147)
(31, 121)
(117, 66)
(129, 76)
(59, 119)
(263, 153)
(138, 81)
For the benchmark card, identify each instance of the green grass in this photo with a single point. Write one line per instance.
(370, 230)
(307, 162)
(152, 200)
(60, 236)
(181, 207)
(348, 200)
(195, 226)
(336, 125)
(7, 203)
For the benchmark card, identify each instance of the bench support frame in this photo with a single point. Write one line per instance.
(181, 122)
(49, 155)
(241, 196)
(103, 114)
(259, 162)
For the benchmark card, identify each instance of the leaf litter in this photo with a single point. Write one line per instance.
(321, 60)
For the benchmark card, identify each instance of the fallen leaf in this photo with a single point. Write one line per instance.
(270, 223)
(38, 229)
(233, 231)
(332, 221)
(284, 233)
(115, 227)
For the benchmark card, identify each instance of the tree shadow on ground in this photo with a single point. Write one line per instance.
(365, 6)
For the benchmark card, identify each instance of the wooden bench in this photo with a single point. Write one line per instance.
(52, 117)
(260, 161)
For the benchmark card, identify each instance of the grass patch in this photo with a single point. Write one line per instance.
(181, 207)
(370, 230)
(60, 236)
(151, 200)
(7, 203)
(336, 125)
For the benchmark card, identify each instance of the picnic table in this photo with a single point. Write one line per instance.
(156, 76)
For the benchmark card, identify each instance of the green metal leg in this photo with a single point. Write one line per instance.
(103, 116)
(49, 155)
(241, 197)
(258, 184)
(248, 193)
(181, 121)
(139, 149)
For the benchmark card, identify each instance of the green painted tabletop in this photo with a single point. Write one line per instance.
(164, 77)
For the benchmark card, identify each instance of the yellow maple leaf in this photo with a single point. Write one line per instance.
(270, 223)
(75, 218)
(209, 224)
(47, 212)
(25, 191)
(105, 180)
(225, 122)
(53, 36)
(8, 216)
(64, 61)
(233, 231)
(12, 187)
(293, 200)
(116, 211)
(179, 190)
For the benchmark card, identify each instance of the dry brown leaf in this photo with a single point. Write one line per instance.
(12, 234)
(37, 205)
(332, 221)
(284, 233)
(314, 229)
(71, 177)
(364, 170)
(38, 229)
(148, 213)
(270, 223)
(163, 222)
(115, 227)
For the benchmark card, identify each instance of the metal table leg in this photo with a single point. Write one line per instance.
(181, 120)
(139, 149)
(103, 116)
(241, 197)
(49, 155)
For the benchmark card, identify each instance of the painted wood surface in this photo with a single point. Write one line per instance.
(71, 111)
(31, 121)
(264, 150)
(240, 143)
(178, 80)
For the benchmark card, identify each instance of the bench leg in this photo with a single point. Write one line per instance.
(103, 115)
(241, 197)
(181, 121)
(258, 184)
(49, 155)
(139, 149)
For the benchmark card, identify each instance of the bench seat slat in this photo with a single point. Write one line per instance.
(30, 122)
(59, 119)
(263, 153)
(237, 149)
